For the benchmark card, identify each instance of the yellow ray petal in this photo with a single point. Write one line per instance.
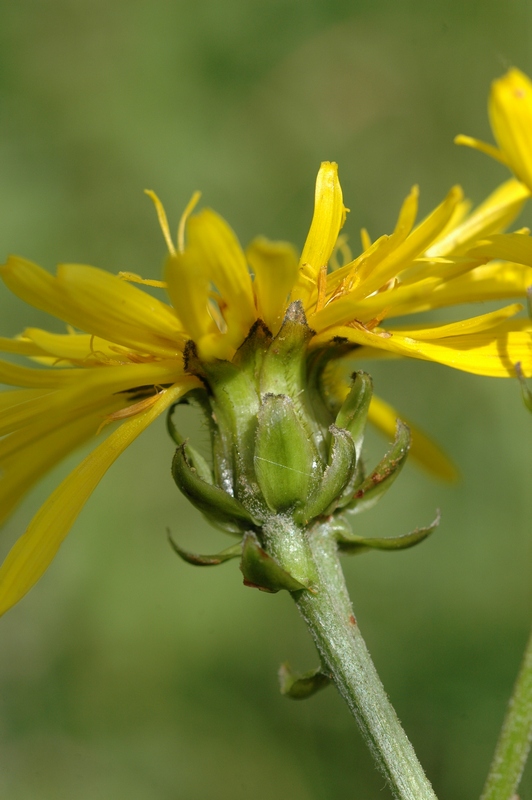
(21, 346)
(516, 247)
(464, 326)
(13, 397)
(458, 216)
(435, 283)
(115, 310)
(212, 243)
(33, 552)
(188, 287)
(32, 409)
(92, 386)
(365, 239)
(483, 147)
(345, 310)
(327, 221)
(446, 269)
(14, 375)
(510, 111)
(494, 352)
(275, 267)
(407, 216)
(355, 273)
(77, 347)
(98, 303)
(29, 454)
(414, 245)
(422, 449)
(493, 281)
(352, 273)
(491, 216)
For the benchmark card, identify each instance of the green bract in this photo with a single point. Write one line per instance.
(283, 454)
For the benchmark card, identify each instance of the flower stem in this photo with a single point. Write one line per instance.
(515, 738)
(329, 616)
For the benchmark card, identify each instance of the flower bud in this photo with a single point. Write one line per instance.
(286, 459)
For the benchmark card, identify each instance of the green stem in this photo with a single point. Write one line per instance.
(515, 738)
(329, 616)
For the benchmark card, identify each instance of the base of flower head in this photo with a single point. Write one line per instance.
(285, 455)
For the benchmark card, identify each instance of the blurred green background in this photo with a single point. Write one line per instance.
(126, 673)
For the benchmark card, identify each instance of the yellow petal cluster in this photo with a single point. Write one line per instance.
(119, 363)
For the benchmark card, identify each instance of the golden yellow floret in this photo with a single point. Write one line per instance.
(120, 361)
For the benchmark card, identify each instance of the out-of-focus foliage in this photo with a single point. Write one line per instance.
(126, 673)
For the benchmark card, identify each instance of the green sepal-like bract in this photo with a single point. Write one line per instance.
(217, 505)
(263, 572)
(287, 453)
(284, 371)
(205, 561)
(325, 403)
(194, 458)
(353, 414)
(284, 365)
(300, 686)
(286, 460)
(350, 543)
(337, 475)
(251, 354)
(375, 485)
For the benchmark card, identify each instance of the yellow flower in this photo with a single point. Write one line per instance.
(510, 112)
(121, 359)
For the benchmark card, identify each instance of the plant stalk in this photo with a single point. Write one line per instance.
(329, 616)
(515, 738)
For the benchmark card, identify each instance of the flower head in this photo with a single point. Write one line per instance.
(121, 359)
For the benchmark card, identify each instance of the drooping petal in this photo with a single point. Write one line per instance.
(30, 453)
(33, 552)
(275, 267)
(494, 352)
(94, 387)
